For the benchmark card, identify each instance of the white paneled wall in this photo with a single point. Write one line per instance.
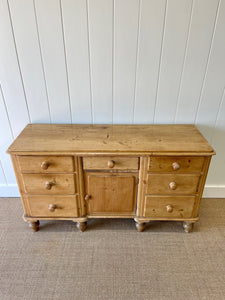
(113, 61)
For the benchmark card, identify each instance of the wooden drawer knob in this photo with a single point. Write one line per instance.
(169, 208)
(173, 185)
(45, 165)
(111, 163)
(52, 207)
(176, 166)
(49, 185)
(87, 197)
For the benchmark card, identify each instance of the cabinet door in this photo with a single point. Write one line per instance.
(110, 194)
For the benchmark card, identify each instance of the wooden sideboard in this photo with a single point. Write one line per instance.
(144, 172)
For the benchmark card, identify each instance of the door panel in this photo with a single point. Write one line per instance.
(111, 194)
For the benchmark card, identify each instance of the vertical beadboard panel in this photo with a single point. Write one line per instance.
(152, 17)
(101, 42)
(173, 50)
(26, 37)
(52, 46)
(107, 61)
(125, 52)
(74, 14)
(10, 77)
(217, 171)
(6, 138)
(201, 30)
(214, 80)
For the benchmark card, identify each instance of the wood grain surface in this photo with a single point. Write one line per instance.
(169, 206)
(59, 138)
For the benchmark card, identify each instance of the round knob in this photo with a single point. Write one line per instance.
(87, 197)
(111, 163)
(176, 166)
(169, 208)
(172, 185)
(45, 165)
(52, 207)
(48, 185)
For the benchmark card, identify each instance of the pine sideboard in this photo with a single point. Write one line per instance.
(144, 172)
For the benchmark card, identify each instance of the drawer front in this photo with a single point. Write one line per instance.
(172, 184)
(53, 206)
(169, 207)
(49, 183)
(46, 164)
(176, 164)
(110, 163)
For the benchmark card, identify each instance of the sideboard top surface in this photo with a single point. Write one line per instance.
(106, 139)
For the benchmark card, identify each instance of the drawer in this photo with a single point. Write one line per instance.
(110, 162)
(176, 164)
(169, 207)
(53, 206)
(172, 184)
(49, 183)
(46, 164)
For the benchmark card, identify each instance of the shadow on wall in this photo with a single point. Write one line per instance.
(216, 137)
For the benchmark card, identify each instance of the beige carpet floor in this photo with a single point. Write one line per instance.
(111, 260)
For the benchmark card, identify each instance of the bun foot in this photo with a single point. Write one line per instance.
(188, 227)
(140, 226)
(34, 225)
(81, 226)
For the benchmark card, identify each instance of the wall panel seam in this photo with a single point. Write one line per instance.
(6, 110)
(137, 56)
(113, 51)
(17, 57)
(207, 63)
(184, 60)
(217, 116)
(3, 172)
(65, 58)
(42, 63)
(160, 61)
(89, 55)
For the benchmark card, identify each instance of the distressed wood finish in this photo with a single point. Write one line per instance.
(116, 139)
(172, 184)
(145, 172)
(110, 162)
(142, 184)
(53, 206)
(176, 164)
(46, 164)
(110, 194)
(49, 183)
(169, 207)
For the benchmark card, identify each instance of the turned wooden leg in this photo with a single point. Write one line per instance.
(81, 226)
(188, 226)
(34, 225)
(140, 226)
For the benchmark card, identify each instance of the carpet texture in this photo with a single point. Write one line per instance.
(111, 260)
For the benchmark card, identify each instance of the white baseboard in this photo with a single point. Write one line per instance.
(9, 190)
(214, 191)
(210, 191)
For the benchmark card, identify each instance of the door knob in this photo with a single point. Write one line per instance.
(111, 163)
(169, 208)
(87, 197)
(49, 185)
(173, 185)
(176, 166)
(45, 165)
(52, 207)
